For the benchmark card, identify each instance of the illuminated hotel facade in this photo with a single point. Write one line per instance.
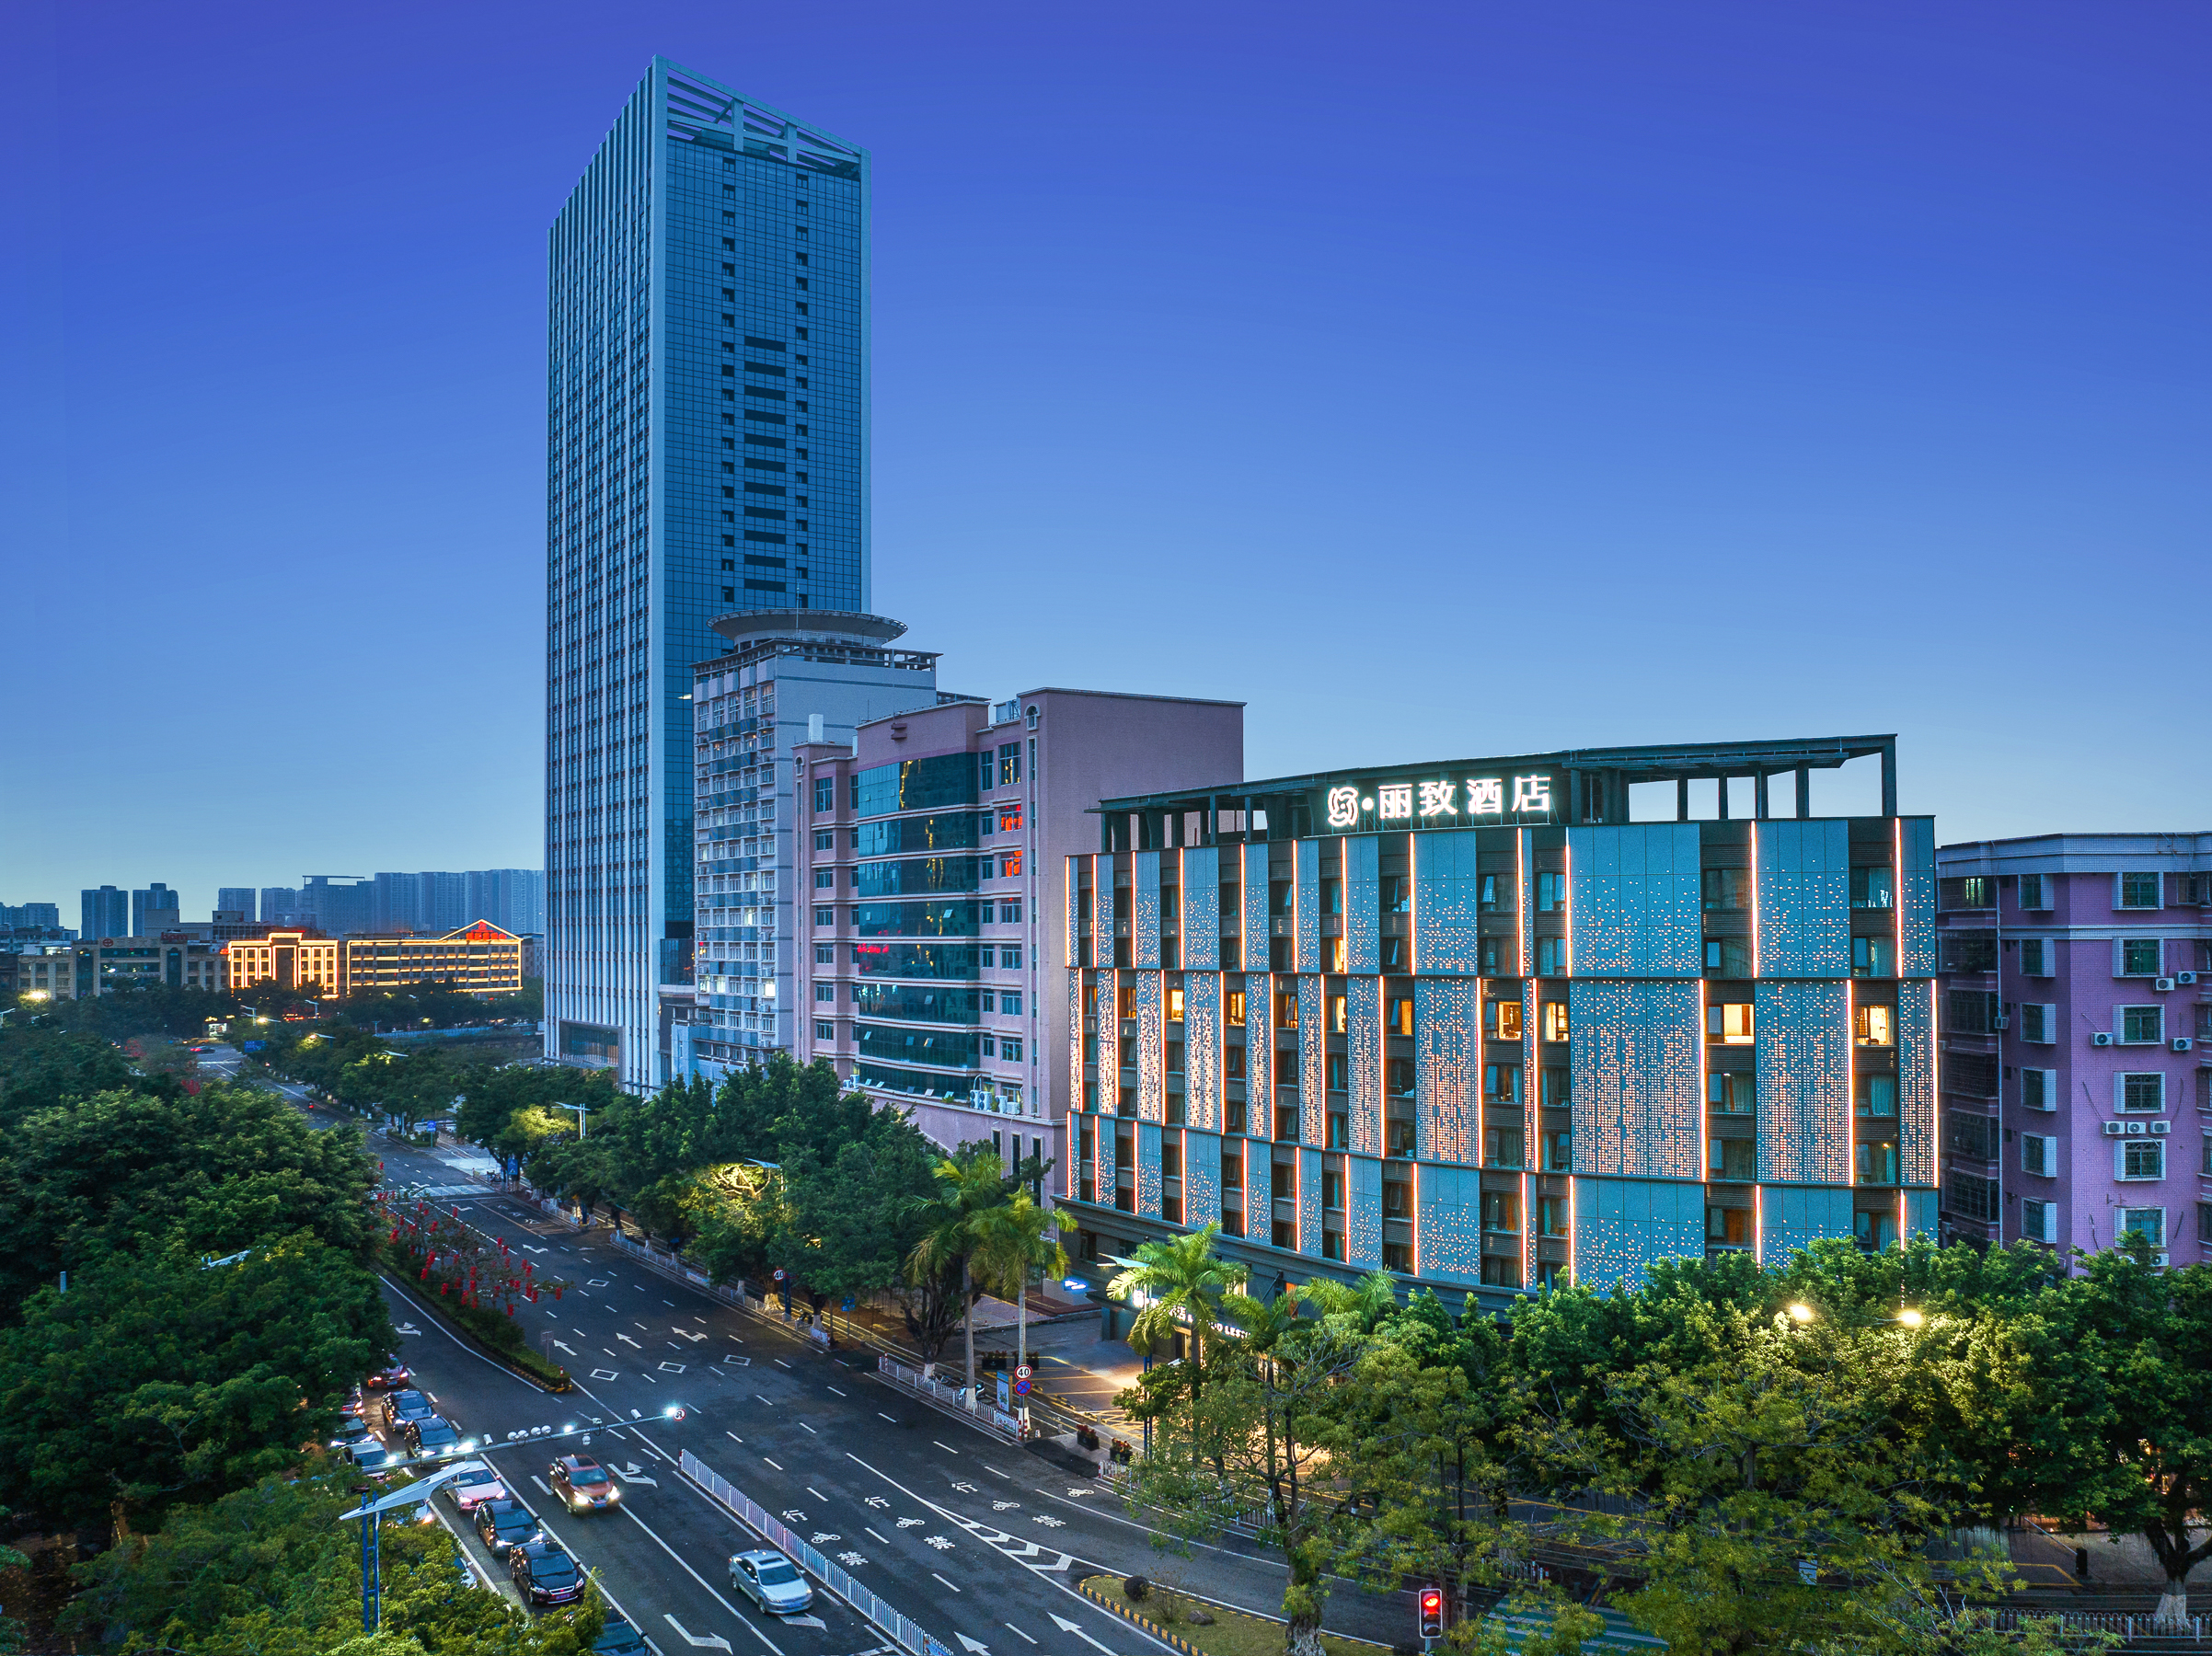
(1471, 1023)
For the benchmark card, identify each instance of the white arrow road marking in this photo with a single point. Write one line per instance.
(407, 1329)
(690, 1334)
(711, 1641)
(634, 1473)
(1067, 1626)
(562, 1345)
(805, 1621)
(627, 1340)
(975, 1645)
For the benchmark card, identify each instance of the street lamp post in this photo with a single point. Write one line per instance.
(583, 1119)
(370, 1513)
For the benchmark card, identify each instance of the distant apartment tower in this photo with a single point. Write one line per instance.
(237, 900)
(931, 907)
(2076, 1007)
(105, 912)
(512, 898)
(338, 904)
(30, 917)
(707, 432)
(153, 910)
(1471, 1023)
(791, 677)
(281, 906)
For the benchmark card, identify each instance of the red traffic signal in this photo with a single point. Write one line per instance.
(1432, 1613)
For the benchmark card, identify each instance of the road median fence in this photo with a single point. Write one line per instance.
(906, 1633)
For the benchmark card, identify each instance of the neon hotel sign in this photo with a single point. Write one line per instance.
(1431, 803)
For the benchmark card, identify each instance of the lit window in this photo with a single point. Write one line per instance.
(1730, 1023)
(1555, 1020)
(1873, 1026)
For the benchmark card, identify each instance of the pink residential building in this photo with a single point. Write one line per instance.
(2077, 1001)
(931, 907)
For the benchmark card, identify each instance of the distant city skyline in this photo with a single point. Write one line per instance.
(1579, 369)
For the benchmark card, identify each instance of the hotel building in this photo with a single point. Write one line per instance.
(481, 959)
(706, 451)
(931, 899)
(2077, 976)
(1471, 1023)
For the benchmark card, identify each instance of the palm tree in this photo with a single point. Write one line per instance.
(971, 1181)
(1012, 1244)
(1184, 1284)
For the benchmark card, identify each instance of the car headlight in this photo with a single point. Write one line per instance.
(615, 1494)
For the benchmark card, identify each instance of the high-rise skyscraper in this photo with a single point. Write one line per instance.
(237, 900)
(708, 441)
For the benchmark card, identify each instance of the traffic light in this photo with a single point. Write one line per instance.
(1432, 1613)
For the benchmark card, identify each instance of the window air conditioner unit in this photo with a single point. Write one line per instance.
(2182, 1043)
(2102, 1038)
(2158, 1128)
(2000, 1022)
(2160, 1259)
(2163, 986)
(2115, 1129)
(2184, 977)
(2132, 1129)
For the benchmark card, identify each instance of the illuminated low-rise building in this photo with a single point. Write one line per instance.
(174, 960)
(1476, 1024)
(290, 960)
(481, 959)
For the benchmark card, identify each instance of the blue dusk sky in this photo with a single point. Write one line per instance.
(1439, 380)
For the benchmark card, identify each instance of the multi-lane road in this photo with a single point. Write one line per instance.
(978, 1541)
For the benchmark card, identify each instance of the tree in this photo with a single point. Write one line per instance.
(1183, 1282)
(43, 1065)
(1012, 1246)
(157, 1380)
(968, 1182)
(2125, 1426)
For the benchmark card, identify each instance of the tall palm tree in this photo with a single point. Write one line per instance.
(1012, 1244)
(970, 1182)
(1184, 1283)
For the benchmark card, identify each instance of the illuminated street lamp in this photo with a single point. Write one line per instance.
(369, 1511)
(1799, 1312)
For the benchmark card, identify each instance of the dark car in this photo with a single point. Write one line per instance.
(582, 1484)
(432, 1434)
(350, 1432)
(504, 1522)
(546, 1575)
(389, 1378)
(401, 1407)
(617, 1638)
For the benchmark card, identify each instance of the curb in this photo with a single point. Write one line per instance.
(1175, 1641)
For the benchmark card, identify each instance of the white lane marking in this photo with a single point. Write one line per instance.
(1017, 1632)
(804, 1427)
(942, 1578)
(835, 1392)
(540, 1483)
(670, 1304)
(817, 1494)
(764, 1400)
(710, 1641)
(702, 1581)
(882, 1416)
(948, 1448)
(780, 1362)
(884, 1539)
(772, 1462)
(994, 1471)
(733, 1437)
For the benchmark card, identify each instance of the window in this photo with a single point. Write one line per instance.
(2140, 1158)
(2140, 1093)
(1977, 892)
(1492, 890)
(2038, 1221)
(1397, 1077)
(825, 1031)
(1009, 865)
(2039, 1153)
(2141, 1024)
(1732, 1092)
(2037, 956)
(1502, 1019)
(2038, 1089)
(1008, 1046)
(1286, 1010)
(2146, 1222)
(824, 878)
(1559, 1152)
(1009, 818)
(1397, 894)
(1555, 1087)
(825, 916)
(825, 793)
(1877, 1096)
(2138, 957)
(1009, 762)
(1870, 888)
(825, 992)
(1971, 1197)
(1501, 1211)
(825, 954)
(1734, 1160)
(1400, 1018)
(1501, 1083)
(2039, 1022)
(1010, 910)
(1555, 1019)
(1332, 1189)
(1552, 1215)
(1500, 1270)
(1730, 1022)
(1550, 893)
(1010, 956)
(1339, 1014)
(1727, 889)
(2034, 892)
(1728, 957)
(825, 842)
(1728, 1226)
(1873, 956)
(1877, 1164)
(1552, 957)
(2139, 891)
(1501, 1146)
(1235, 1011)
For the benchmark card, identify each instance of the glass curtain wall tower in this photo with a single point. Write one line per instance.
(706, 451)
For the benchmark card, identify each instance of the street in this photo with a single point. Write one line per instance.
(978, 1541)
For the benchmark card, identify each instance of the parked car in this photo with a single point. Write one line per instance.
(390, 1377)
(582, 1484)
(373, 1454)
(468, 1491)
(349, 1431)
(400, 1407)
(504, 1522)
(770, 1580)
(546, 1575)
(617, 1638)
(432, 1434)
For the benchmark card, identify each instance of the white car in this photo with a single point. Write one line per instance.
(466, 1490)
(770, 1580)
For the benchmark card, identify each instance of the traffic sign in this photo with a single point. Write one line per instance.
(1022, 1371)
(1022, 1388)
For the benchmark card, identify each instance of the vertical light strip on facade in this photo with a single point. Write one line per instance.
(1705, 1094)
(1759, 1224)
(1520, 898)
(1567, 904)
(1573, 1229)
(1935, 1090)
(1754, 894)
(1851, 1088)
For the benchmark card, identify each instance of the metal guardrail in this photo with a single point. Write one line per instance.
(2130, 1628)
(990, 1418)
(907, 1633)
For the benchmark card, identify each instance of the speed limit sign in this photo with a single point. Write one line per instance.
(1024, 1371)
(676, 1414)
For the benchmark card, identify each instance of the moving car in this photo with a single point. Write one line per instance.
(373, 1454)
(350, 1432)
(401, 1407)
(546, 1575)
(468, 1491)
(392, 1376)
(582, 1483)
(770, 1580)
(433, 1435)
(617, 1638)
(504, 1522)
